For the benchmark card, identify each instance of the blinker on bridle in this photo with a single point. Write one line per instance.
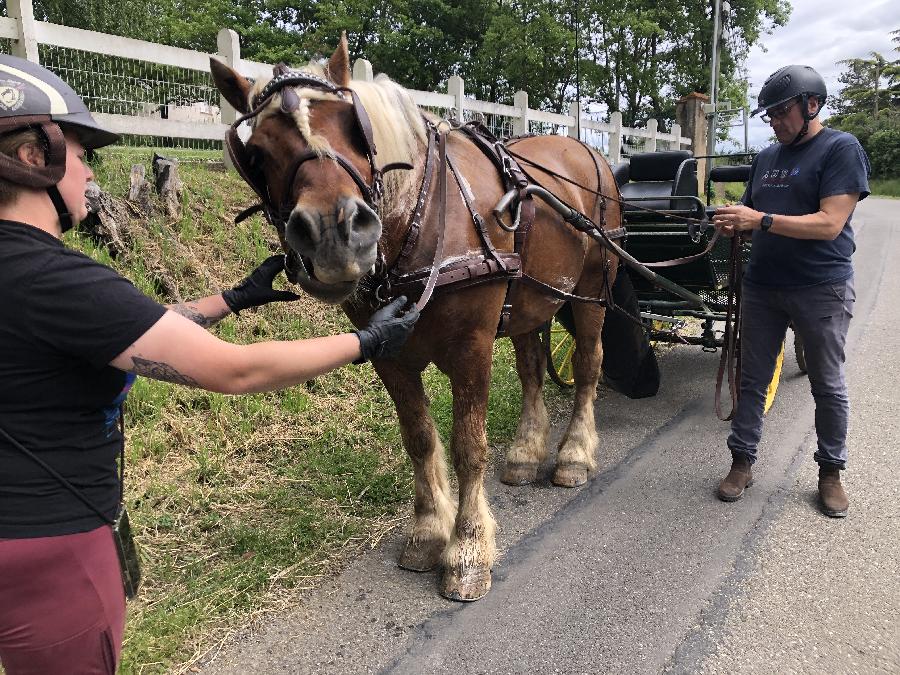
(284, 81)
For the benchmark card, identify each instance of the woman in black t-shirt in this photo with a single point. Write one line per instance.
(73, 335)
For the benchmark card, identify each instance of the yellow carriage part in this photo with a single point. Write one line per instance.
(773, 384)
(562, 349)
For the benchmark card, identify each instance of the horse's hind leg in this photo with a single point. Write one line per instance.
(434, 509)
(529, 448)
(469, 557)
(577, 449)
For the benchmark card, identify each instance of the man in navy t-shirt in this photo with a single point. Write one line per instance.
(798, 205)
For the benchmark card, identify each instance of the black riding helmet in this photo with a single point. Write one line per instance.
(788, 83)
(33, 97)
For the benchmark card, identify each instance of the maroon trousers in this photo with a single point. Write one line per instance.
(62, 606)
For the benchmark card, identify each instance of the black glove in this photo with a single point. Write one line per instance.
(388, 329)
(257, 289)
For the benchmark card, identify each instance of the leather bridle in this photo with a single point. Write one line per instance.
(284, 82)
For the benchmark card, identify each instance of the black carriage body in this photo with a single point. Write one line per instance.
(667, 183)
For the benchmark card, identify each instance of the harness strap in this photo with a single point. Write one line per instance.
(415, 220)
(468, 199)
(730, 358)
(463, 273)
(442, 222)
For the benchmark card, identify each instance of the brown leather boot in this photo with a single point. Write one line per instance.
(732, 486)
(832, 498)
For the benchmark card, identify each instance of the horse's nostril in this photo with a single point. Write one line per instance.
(302, 231)
(364, 222)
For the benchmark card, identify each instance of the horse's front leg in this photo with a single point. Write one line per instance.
(434, 509)
(469, 557)
(576, 460)
(529, 448)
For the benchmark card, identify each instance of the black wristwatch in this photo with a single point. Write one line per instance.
(766, 222)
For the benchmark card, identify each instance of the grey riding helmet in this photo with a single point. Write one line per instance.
(28, 89)
(788, 83)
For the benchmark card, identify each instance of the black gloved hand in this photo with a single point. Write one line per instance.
(388, 329)
(257, 289)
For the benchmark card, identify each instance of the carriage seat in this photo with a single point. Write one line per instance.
(658, 174)
(730, 174)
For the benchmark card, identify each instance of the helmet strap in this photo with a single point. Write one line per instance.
(66, 222)
(807, 118)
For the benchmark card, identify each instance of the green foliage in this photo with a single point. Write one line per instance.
(884, 152)
(887, 187)
(637, 56)
(868, 106)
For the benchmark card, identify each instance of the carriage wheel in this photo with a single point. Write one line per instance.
(559, 345)
(773, 385)
(799, 353)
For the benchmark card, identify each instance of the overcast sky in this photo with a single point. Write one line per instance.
(819, 33)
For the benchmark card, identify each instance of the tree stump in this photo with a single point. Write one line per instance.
(140, 192)
(168, 185)
(107, 220)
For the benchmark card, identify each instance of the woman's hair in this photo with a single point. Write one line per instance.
(9, 145)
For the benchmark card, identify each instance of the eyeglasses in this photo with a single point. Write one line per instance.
(778, 112)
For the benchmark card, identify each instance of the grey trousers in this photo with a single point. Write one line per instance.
(820, 316)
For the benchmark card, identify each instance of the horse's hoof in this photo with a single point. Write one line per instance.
(471, 585)
(570, 475)
(421, 556)
(517, 473)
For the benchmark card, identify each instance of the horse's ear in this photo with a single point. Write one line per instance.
(339, 63)
(233, 86)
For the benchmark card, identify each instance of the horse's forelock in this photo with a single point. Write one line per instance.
(397, 124)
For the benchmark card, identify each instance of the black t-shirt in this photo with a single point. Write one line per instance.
(791, 180)
(63, 318)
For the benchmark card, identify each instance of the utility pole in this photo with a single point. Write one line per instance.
(577, 71)
(712, 114)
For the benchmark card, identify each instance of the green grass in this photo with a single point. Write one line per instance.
(241, 502)
(885, 187)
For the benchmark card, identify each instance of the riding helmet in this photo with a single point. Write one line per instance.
(33, 97)
(790, 82)
(28, 89)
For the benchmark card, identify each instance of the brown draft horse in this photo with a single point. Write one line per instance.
(337, 233)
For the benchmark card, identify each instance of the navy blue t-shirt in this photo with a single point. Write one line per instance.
(63, 318)
(791, 181)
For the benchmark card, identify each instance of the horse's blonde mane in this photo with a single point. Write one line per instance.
(397, 125)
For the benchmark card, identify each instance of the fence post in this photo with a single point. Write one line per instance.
(574, 111)
(457, 89)
(676, 132)
(26, 45)
(362, 70)
(615, 138)
(520, 123)
(653, 128)
(228, 46)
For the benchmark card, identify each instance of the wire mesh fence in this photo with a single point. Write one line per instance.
(500, 126)
(137, 88)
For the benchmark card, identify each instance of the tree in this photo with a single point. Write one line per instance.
(868, 106)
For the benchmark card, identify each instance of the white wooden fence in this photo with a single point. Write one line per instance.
(25, 34)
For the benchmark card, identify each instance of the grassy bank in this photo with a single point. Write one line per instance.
(239, 503)
(885, 187)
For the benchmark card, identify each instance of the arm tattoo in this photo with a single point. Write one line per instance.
(190, 311)
(161, 371)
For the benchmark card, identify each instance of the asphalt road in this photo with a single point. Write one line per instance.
(643, 570)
